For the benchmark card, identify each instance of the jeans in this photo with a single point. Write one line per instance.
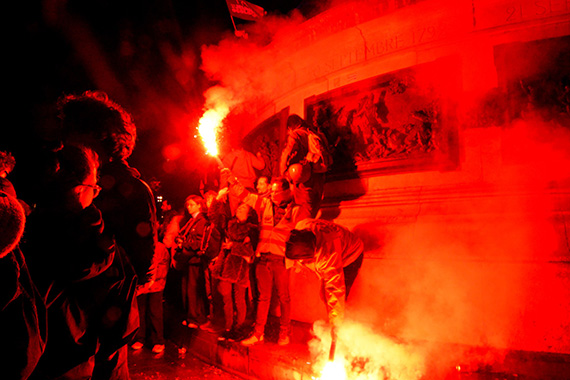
(194, 295)
(271, 271)
(151, 312)
(233, 293)
(310, 193)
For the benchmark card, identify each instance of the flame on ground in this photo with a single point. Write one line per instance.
(334, 371)
(208, 127)
(361, 354)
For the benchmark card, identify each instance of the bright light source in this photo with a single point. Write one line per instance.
(208, 128)
(333, 371)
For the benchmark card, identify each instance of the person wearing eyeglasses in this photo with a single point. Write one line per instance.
(73, 261)
(126, 202)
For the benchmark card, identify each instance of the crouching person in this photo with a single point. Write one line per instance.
(335, 254)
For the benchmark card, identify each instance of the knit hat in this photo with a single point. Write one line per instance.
(12, 221)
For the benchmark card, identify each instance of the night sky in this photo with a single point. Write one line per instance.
(144, 54)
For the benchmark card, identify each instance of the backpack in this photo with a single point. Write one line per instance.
(319, 152)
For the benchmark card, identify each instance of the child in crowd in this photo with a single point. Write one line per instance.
(232, 269)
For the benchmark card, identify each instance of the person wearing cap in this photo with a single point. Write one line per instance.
(334, 253)
(22, 310)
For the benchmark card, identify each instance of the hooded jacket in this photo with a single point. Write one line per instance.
(336, 248)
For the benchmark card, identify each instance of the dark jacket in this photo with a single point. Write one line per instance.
(233, 263)
(22, 318)
(192, 232)
(129, 211)
(63, 248)
(85, 280)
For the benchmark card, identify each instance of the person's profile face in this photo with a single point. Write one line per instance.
(85, 192)
(209, 200)
(262, 185)
(192, 207)
(278, 194)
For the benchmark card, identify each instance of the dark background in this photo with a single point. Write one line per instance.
(144, 54)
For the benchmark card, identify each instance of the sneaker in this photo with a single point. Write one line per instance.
(191, 325)
(283, 340)
(283, 337)
(158, 348)
(253, 339)
(137, 346)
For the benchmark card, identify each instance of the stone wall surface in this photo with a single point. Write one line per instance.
(477, 253)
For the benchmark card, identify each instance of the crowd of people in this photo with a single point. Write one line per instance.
(84, 263)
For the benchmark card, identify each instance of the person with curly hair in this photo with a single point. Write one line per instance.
(126, 201)
(7, 164)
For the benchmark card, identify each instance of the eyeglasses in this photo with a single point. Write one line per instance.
(96, 188)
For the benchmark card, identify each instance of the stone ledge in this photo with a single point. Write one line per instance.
(293, 362)
(262, 361)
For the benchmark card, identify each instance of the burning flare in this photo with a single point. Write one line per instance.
(362, 354)
(334, 370)
(208, 128)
